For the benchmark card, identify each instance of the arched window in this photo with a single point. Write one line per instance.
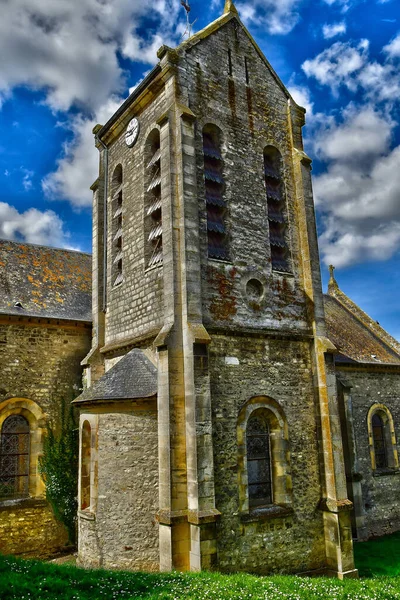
(258, 461)
(378, 434)
(215, 193)
(116, 226)
(86, 451)
(382, 438)
(14, 457)
(153, 205)
(276, 209)
(263, 456)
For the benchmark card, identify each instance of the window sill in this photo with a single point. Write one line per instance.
(385, 472)
(264, 513)
(86, 515)
(26, 502)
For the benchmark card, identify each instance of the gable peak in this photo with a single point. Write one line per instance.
(230, 7)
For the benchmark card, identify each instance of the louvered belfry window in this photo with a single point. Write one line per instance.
(14, 458)
(153, 208)
(276, 209)
(215, 194)
(378, 433)
(116, 224)
(258, 461)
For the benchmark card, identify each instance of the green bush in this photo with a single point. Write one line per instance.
(59, 468)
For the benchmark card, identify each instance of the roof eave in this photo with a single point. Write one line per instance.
(130, 100)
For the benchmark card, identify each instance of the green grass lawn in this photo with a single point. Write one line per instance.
(34, 580)
(379, 557)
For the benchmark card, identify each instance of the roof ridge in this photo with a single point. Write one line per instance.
(362, 317)
(17, 243)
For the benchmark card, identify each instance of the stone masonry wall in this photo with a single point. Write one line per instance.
(242, 367)
(380, 493)
(29, 529)
(251, 117)
(134, 307)
(42, 362)
(39, 363)
(123, 532)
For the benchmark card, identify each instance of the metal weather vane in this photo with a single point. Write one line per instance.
(189, 25)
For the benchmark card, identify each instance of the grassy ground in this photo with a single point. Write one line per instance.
(379, 557)
(34, 580)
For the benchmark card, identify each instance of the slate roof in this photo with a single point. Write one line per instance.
(133, 376)
(356, 336)
(46, 282)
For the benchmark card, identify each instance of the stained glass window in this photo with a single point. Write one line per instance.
(378, 433)
(14, 458)
(258, 461)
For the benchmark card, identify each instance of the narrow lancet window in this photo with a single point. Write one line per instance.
(14, 457)
(276, 209)
(378, 434)
(258, 461)
(116, 226)
(215, 194)
(153, 208)
(86, 451)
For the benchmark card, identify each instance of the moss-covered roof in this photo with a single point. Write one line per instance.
(40, 281)
(358, 338)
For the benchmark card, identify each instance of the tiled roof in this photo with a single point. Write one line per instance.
(356, 339)
(134, 376)
(45, 282)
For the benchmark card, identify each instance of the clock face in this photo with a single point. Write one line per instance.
(132, 132)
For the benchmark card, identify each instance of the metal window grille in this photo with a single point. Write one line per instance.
(258, 462)
(14, 458)
(378, 434)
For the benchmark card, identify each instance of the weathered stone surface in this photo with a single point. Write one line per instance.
(29, 529)
(121, 530)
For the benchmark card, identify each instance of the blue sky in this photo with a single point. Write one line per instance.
(70, 63)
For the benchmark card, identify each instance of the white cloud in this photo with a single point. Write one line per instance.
(363, 133)
(330, 31)
(277, 17)
(69, 47)
(338, 64)
(393, 48)
(78, 167)
(33, 226)
(357, 196)
(346, 64)
(302, 96)
(27, 182)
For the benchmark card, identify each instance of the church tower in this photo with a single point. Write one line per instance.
(210, 433)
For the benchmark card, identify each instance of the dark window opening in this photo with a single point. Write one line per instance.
(117, 228)
(276, 210)
(230, 63)
(153, 208)
(246, 66)
(378, 434)
(14, 457)
(258, 462)
(215, 194)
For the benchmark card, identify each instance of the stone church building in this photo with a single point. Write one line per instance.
(234, 418)
(220, 425)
